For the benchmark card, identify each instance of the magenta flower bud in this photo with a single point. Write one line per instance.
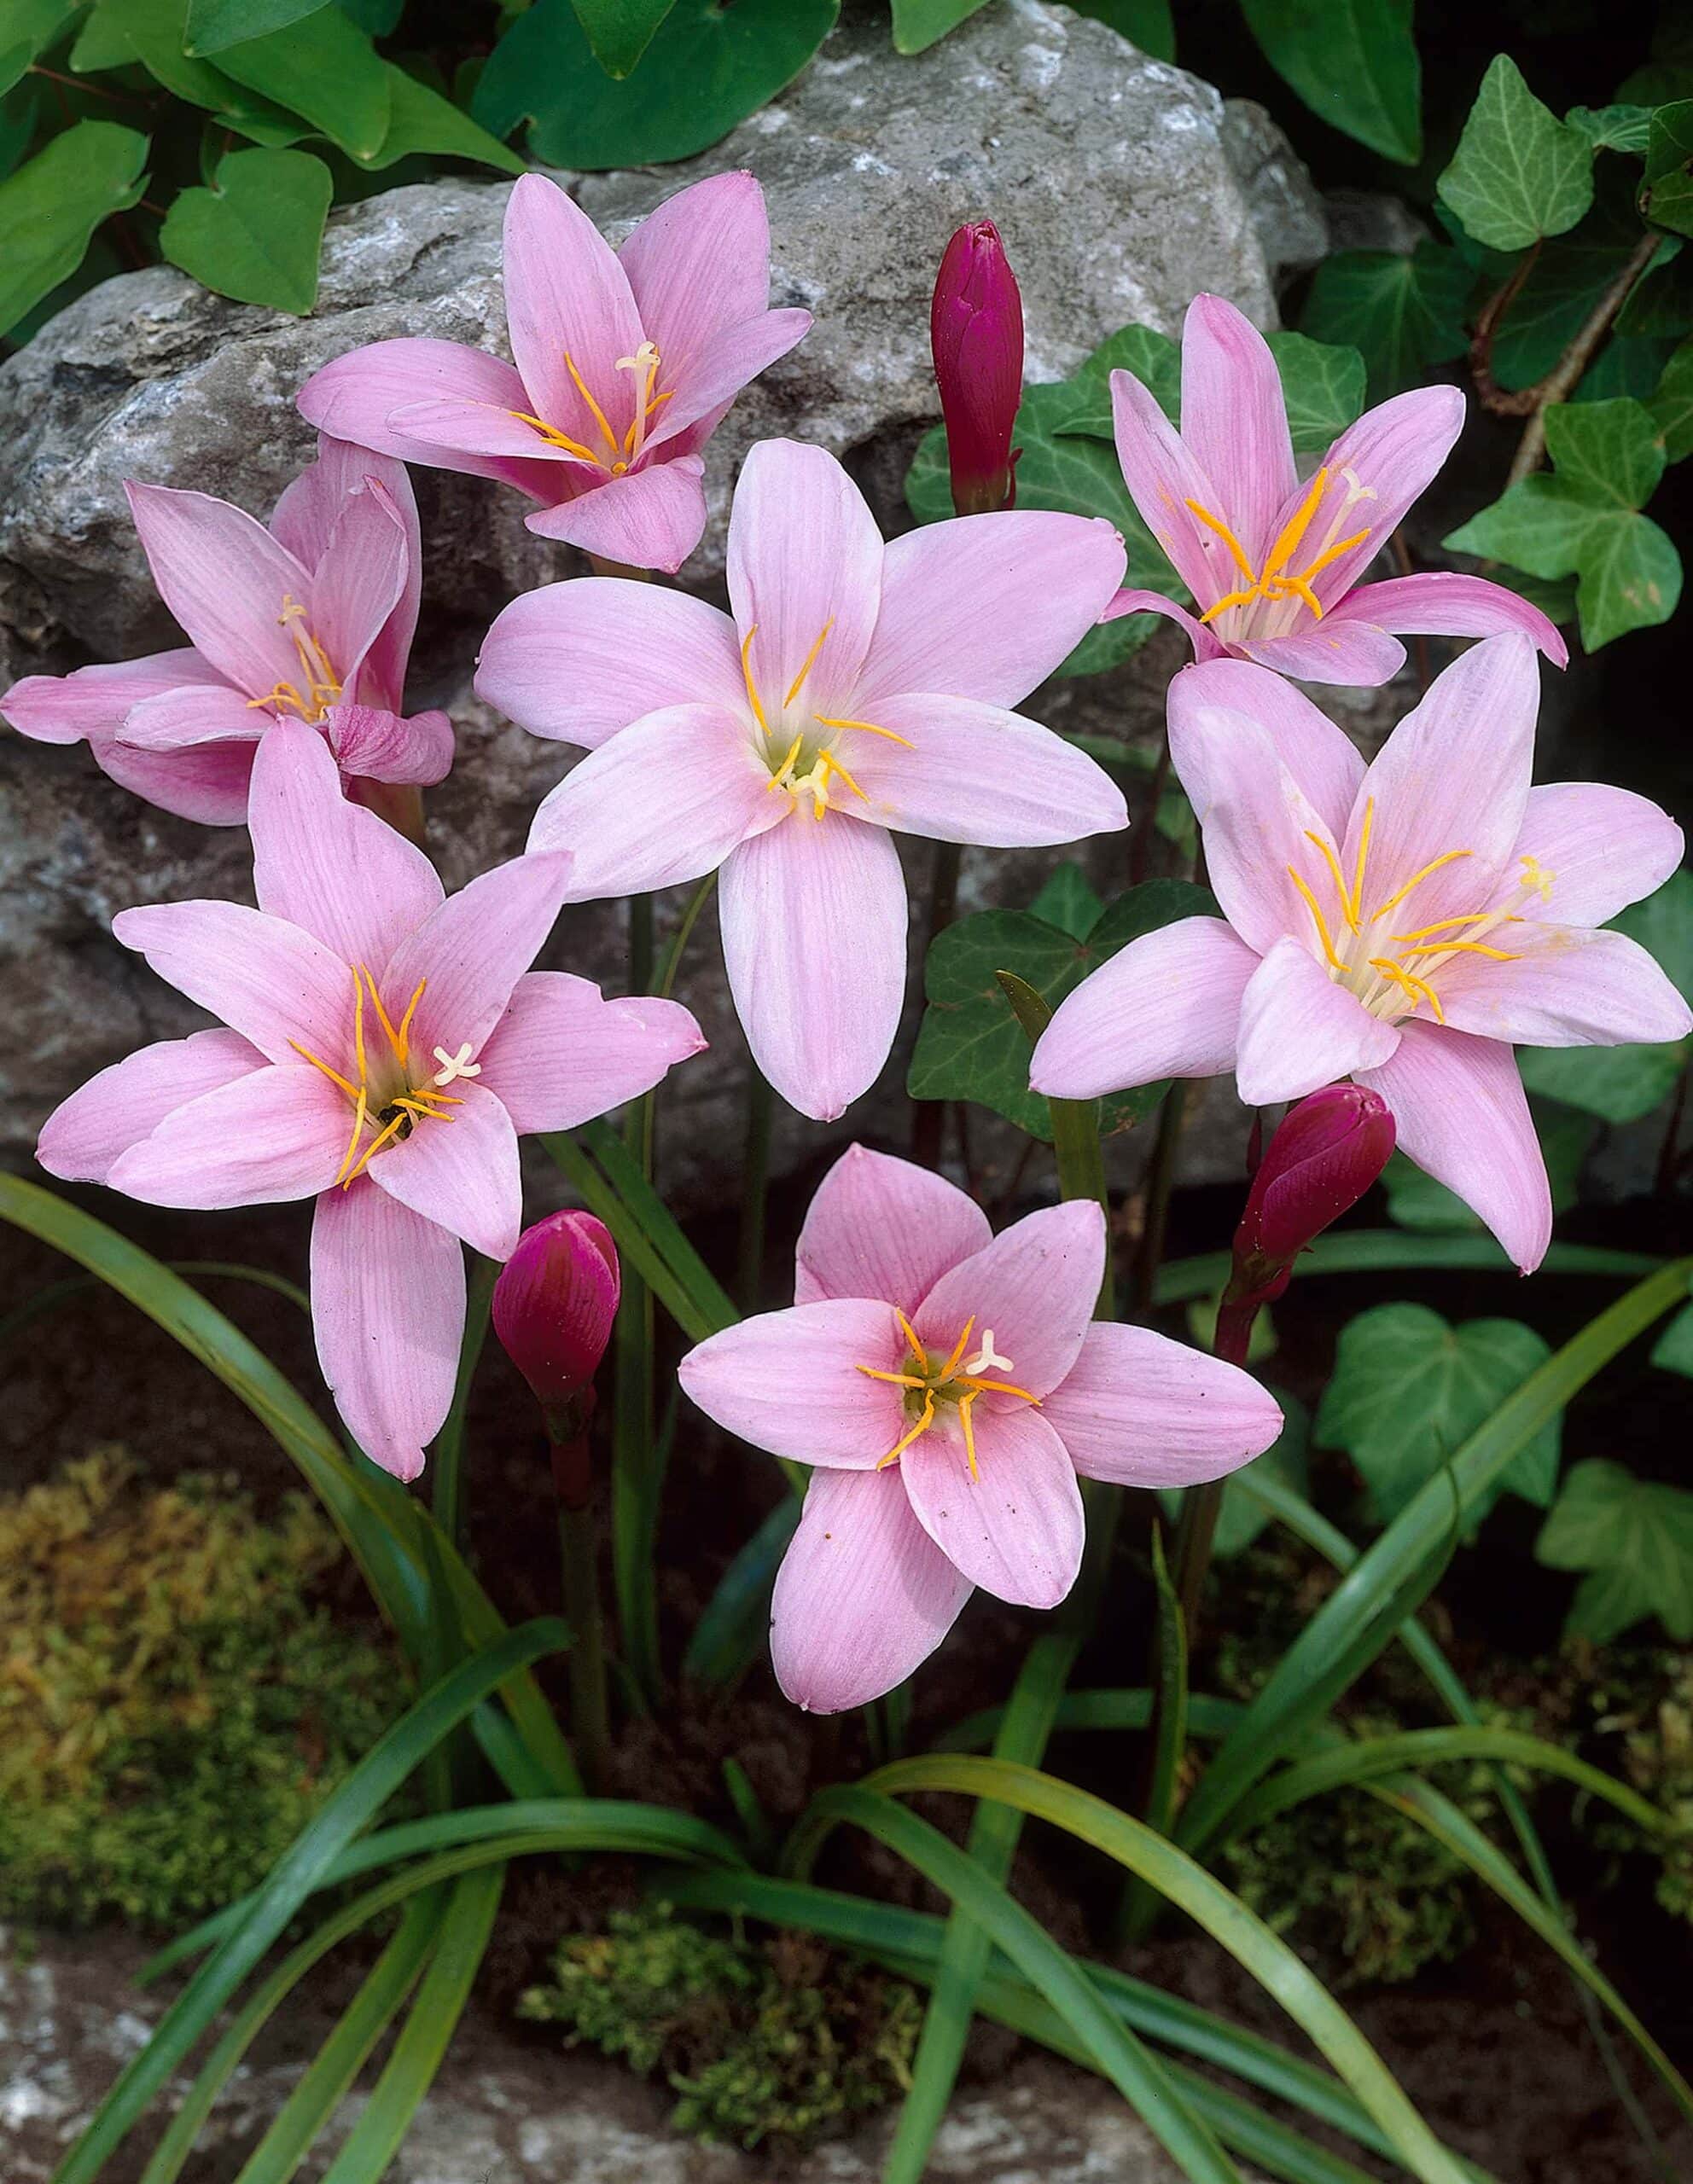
(554, 1305)
(976, 332)
(1329, 1151)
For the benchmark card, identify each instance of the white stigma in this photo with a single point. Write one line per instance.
(452, 1066)
(987, 1357)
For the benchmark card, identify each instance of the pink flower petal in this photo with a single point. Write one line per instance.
(1140, 1410)
(1163, 475)
(1441, 603)
(373, 746)
(790, 1382)
(864, 1595)
(1299, 1030)
(93, 700)
(562, 1054)
(987, 606)
(1167, 1005)
(85, 1134)
(805, 557)
(566, 294)
(716, 373)
(361, 582)
(698, 263)
(1321, 757)
(353, 397)
(1352, 654)
(1453, 776)
(1035, 1286)
(206, 782)
(471, 951)
(270, 981)
(650, 520)
(580, 659)
(196, 714)
(1205, 646)
(1394, 452)
(1016, 1528)
(1260, 829)
(310, 505)
(1460, 1112)
(460, 1170)
(971, 772)
(387, 1305)
(813, 919)
(1234, 420)
(878, 1226)
(458, 426)
(660, 802)
(1569, 986)
(1604, 848)
(267, 1137)
(326, 866)
(225, 580)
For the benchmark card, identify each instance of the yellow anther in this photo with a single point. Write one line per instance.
(951, 1365)
(799, 681)
(1335, 962)
(582, 389)
(1470, 948)
(1275, 580)
(899, 1379)
(1228, 537)
(779, 777)
(747, 675)
(359, 1118)
(358, 1026)
(1334, 552)
(403, 1038)
(905, 1440)
(1287, 539)
(1329, 858)
(1004, 1388)
(828, 763)
(865, 727)
(1418, 989)
(964, 1419)
(1450, 856)
(1363, 853)
(554, 437)
(318, 1062)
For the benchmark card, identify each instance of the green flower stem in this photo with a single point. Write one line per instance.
(1200, 1504)
(447, 1458)
(929, 1121)
(579, 1567)
(754, 1188)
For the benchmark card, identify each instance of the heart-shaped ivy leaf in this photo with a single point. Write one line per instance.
(255, 233)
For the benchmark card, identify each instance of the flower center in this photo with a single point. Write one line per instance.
(617, 452)
(388, 1103)
(934, 1377)
(1360, 954)
(319, 686)
(796, 747)
(1284, 590)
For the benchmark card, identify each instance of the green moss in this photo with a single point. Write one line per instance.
(1639, 1703)
(176, 1696)
(780, 2040)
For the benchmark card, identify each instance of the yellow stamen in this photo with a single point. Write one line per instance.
(1335, 962)
(799, 681)
(1281, 586)
(372, 1150)
(1003, 1388)
(1228, 537)
(358, 1026)
(403, 1041)
(1470, 948)
(905, 1440)
(554, 438)
(600, 417)
(333, 1075)
(1336, 874)
(899, 1379)
(1363, 853)
(778, 778)
(1442, 924)
(1417, 988)
(911, 1342)
(864, 727)
(1295, 528)
(1332, 553)
(969, 1438)
(747, 672)
(958, 1349)
(1393, 902)
(359, 1118)
(830, 765)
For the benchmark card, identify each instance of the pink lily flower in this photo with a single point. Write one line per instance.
(1273, 562)
(626, 361)
(949, 1387)
(1405, 924)
(311, 620)
(856, 689)
(384, 1049)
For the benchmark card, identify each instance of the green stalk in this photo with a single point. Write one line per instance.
(580, 1575)
(447, 1458)
(754, 1187)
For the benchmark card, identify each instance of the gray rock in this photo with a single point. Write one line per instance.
(1286, 210)
(1372, 219)
(1114, 180)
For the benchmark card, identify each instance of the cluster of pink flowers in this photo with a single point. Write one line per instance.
(383, 1048)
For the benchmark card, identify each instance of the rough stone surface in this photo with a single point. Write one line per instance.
(503, 2112)
(1286, 208)
(1121, 185)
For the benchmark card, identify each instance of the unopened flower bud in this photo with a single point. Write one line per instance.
(554, 1305)
(1329, 1151)
(976, 332)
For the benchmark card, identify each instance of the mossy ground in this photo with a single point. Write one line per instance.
(177, 1696)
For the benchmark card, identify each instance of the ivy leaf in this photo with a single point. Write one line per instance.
(1068, 901)
(1408, 1390)
(1148, 24)
(27, 28)
(1671, 406)
(1635, 1539)
(1400, 314)
(1667, 200)
(1564, 284)
(1416, 1200)
(1322, 386)
(256, 232)
(50, 207)
(1585, 520)
(422, 120)
(971, 1047)
(920, 24)
(1151, 357)
(1519, 172)
(706, 69)
(213, 24)
(1352, 61)
(1674, 1348)
(621, 30)
(325, 69)
(1611, 128)
(119, 32)
(1621, 1084)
